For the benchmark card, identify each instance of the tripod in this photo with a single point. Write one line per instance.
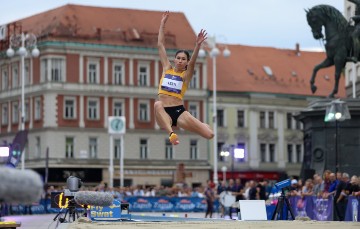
(71, 210)
(280, 207)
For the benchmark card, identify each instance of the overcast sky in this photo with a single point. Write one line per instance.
(272, 23)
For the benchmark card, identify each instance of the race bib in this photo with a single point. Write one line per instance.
(172, 83)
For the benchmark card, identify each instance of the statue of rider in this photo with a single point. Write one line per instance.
(356, 33)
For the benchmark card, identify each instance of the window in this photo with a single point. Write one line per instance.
(15, 113)
(118, 73)
(271, 152)
(69, 147)
(118, 108)
(143, 149)
(93, 147)
(144, 111)
(4, 114)
(143, 75)
(263, 152)
(69, 110)
(27, 112)
(44, 70)
(53, 69)
(117, 148)
(220, 118)
(262, 119)
(289, 121)
(290, 153)
(168, 150)
(240, 118)
(93, 75)
(4, 79)
(15, 76)
(193, 149)
(298, 125)
(57, 66)
(37, 147)
(37, 114)
(194, 83)
(298, 153)
(27, 74)
(271, 120)
(93, 109)
(193, 110)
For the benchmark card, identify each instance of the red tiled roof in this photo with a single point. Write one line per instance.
(243, 72)
(116, 25)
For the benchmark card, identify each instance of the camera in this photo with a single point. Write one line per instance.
(283, 184)
(73, 185)
(65, 198)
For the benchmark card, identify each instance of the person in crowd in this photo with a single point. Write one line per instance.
(353, 186)
(261, 189)
(341, 197)
(253, 192)
(210, 197)
(169, 109)
(326, 181)
(221, 188)
(333, 184)
(294, 188)
(246, 190)
(318, 185)
(307, 190)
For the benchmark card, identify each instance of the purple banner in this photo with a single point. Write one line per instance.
(352, 209)
(315, 208)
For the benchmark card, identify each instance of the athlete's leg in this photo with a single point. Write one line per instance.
(190, 123)
(164, 121)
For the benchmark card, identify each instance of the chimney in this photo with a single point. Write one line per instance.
(297, 49)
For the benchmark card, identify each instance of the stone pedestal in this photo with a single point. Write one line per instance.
(320, 139)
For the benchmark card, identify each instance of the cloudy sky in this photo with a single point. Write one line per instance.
(272, 23)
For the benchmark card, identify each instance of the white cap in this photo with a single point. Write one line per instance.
(294, 181)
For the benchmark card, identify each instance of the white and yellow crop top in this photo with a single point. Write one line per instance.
(173, 83)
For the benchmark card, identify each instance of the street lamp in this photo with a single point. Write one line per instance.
(23, 42)
(214, 52)
(337, 111)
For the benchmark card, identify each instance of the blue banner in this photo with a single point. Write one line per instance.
(352, 209)
(313, 207)
(168, 204)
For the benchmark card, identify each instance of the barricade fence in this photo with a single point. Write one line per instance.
(315, 208)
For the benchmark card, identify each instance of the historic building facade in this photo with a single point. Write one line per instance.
(91, 68)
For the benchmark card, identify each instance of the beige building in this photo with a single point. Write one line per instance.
(91, 68)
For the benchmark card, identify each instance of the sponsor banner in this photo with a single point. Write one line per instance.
(353, 209)
(316, 208)
(168, 204)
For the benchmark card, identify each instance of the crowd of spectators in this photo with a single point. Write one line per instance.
(337, 185)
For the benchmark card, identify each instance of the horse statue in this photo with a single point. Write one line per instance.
(338, 40)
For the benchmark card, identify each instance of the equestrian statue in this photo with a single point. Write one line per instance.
(342, 42)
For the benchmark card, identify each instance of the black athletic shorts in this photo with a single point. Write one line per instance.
(174, 113)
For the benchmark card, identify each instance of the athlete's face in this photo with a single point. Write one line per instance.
(181, 61)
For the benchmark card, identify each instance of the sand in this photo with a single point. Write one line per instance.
(215, 224)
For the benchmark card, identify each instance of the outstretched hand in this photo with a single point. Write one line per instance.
(201, 37)
(165, 16)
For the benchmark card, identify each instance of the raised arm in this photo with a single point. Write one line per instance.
(161, 41)
(201, 37)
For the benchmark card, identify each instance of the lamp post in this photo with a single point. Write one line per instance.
(23, 42)
(337, 111)
(214, 52)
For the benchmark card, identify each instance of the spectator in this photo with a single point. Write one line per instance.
(210, 197)
(341, 197)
